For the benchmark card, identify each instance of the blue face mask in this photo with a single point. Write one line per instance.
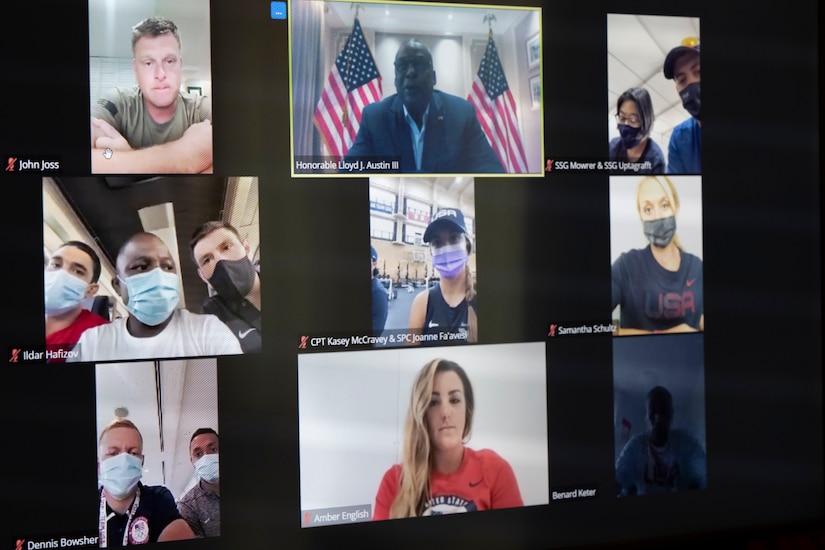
(152, 296)
(63, 291)
(207, 468)
(120, 474)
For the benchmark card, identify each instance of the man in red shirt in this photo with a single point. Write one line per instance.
(70, 277)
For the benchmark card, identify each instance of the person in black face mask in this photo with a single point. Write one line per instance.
(682, 65)
(223, 263)
(658, 288)
(634, 118)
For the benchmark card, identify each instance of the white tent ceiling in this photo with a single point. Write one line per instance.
(636, 49)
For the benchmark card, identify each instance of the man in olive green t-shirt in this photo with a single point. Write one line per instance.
(153, 128)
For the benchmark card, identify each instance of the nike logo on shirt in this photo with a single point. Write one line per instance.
(245, 333)
(476, 483)
(433, 324)
(690, 282)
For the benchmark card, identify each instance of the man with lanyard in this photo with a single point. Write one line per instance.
(130, 512)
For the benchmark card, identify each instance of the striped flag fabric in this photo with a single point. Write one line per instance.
(496, 111)
(353, 83)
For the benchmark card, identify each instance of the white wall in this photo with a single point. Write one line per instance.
(110, 40)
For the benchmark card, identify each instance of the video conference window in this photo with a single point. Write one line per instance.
(155, 268)
(418, 432)
(157, 449)
(423, 269)
(656, 254)
(150, 87)
(659, 404)
(415, 88)
(653, 76)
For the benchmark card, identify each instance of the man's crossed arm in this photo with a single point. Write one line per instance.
(112, 154)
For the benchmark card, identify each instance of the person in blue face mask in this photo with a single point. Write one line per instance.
(446, 313)
(201, 505)
(634, 120)
(156, 327)
(131, 512)
(70, 277)
(682, 65)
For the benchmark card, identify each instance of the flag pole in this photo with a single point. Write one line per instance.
(489, 18)
(345, 116)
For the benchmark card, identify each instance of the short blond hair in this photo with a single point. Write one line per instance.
(120, 423)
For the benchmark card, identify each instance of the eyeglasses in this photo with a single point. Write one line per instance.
(633, 120)
(420, 64)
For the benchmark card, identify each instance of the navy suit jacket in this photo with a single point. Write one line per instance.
(453, 141)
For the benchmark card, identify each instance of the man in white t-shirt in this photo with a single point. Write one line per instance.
(147, 281)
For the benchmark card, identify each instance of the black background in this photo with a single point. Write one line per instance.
(543, 244)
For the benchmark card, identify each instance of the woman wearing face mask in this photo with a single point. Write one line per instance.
(634, 116)
(439, 474)
(450, 306)
(659, 287)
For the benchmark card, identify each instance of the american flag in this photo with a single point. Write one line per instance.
(496, 111)
(353, 83)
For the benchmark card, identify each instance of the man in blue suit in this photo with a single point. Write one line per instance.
(428, 130)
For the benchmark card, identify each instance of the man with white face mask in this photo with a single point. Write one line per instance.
(70, 277)
(147, 281)
(201, 505)
(131, 512)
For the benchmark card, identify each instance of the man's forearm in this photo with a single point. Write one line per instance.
(176, 157)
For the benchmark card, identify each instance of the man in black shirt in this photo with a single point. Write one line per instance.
(131, 512)
(223, 263)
